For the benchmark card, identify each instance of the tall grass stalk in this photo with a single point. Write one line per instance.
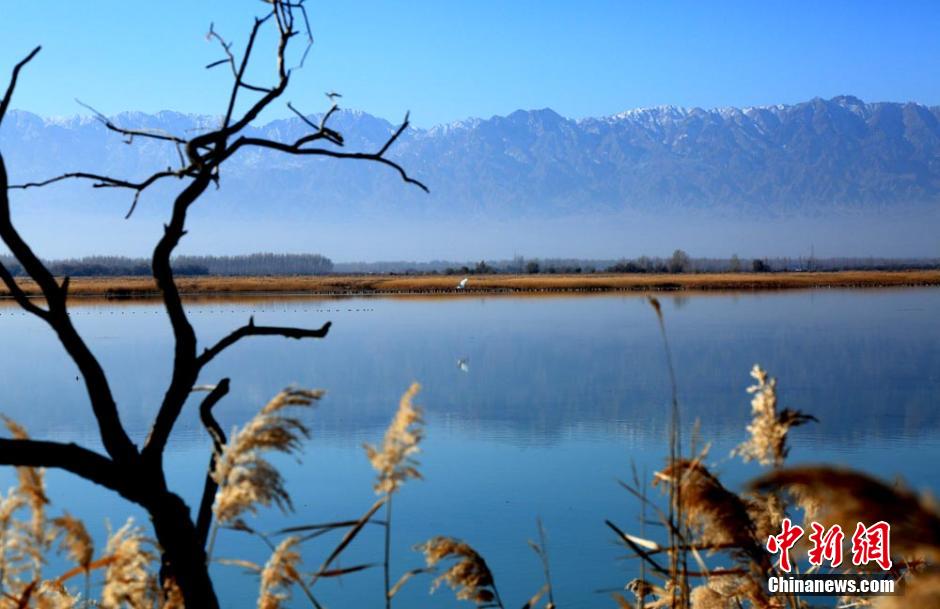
(678, 564)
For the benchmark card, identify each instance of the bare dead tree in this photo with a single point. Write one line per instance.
(137, 473)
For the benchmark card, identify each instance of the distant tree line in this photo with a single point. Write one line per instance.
(252, 264)
(679, 262)
(259, 264)
(315, 264)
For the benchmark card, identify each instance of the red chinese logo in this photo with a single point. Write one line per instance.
(827, 545)
(870, 544)
(789, 535)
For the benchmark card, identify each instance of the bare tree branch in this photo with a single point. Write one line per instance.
(229, 59)
(401, 129)
(322, 131)
(113, 436)
(19, 295)
(240, 74)
(208, 420)
(204, 515)
(185, 370)
(131, 133)
(295, 148)
(69, 457)
(252, 330)
(5, 102)
(102, 181)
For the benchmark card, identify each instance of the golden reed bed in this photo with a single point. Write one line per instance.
(133, 287)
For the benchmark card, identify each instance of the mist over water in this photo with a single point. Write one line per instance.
(416, 235)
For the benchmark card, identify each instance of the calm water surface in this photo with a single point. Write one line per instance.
(562, 396)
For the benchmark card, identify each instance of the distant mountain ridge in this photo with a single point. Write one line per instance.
(813, 157)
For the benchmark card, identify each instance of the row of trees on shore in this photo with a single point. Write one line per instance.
(252, 264)
(682, 262)
(268, 264)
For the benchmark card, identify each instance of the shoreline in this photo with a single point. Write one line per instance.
(132, 288)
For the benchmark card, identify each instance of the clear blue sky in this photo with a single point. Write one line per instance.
(447, 60)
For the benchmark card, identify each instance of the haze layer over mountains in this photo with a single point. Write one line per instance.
(842, 176)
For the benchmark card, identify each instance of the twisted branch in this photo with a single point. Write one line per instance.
(204, 515)
(250, 329)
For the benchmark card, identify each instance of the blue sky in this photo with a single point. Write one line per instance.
(449, 60)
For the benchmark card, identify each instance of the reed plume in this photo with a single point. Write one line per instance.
(76, 541)
(734, 592)
(469, 576)
(920, 591)
(706, 597)
(10, 536)
(766, 511)
(23, 544)
(641, 590)
(128, 580)
(394, 460)
(246, 480)
(719, 516)
(279, 574)
(846, 497)
(53, 595)
(768, 429)
(395, 463)
(32, 485)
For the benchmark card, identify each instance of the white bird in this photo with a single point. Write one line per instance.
(463, 283)
(463, 365)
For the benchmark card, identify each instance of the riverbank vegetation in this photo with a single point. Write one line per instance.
(443, 285)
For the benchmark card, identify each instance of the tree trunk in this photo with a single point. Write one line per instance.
(182, 551)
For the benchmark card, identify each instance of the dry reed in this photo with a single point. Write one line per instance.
(75, 539)
(394, 460)
(469, 576)
(767, 442)
(846, 497)
(279, 575)
(920, 591)
(395, 463)
(32, 484)
(52, 595)
(128, 580)
(247, 480)
(718, 516)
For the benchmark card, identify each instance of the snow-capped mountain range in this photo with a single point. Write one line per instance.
(820, 155)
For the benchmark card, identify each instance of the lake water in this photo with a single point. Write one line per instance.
(561, 397)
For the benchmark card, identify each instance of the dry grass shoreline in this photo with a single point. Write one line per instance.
(445, 285)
